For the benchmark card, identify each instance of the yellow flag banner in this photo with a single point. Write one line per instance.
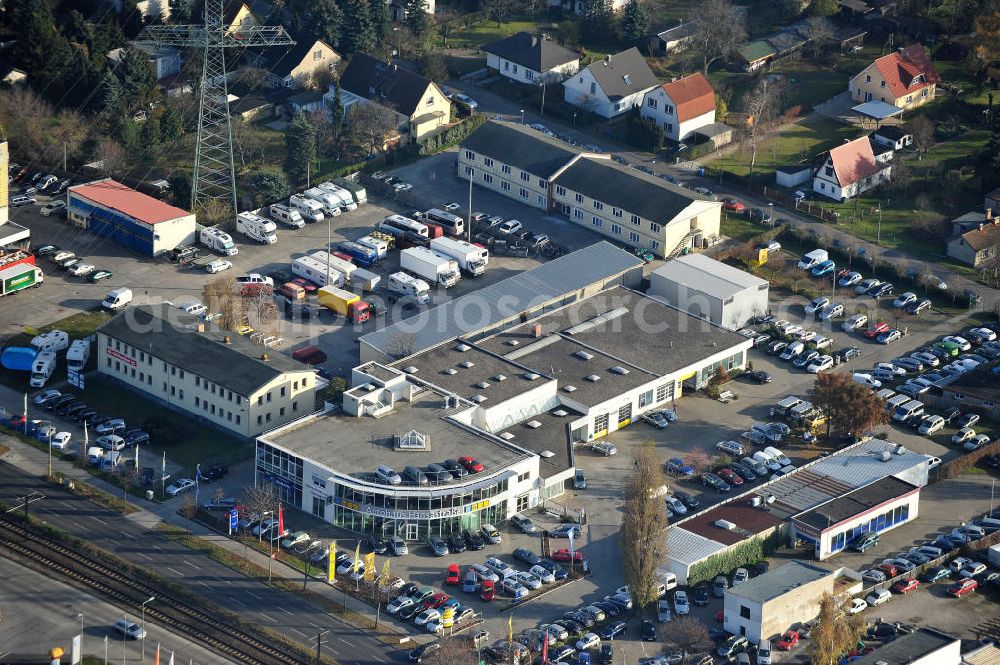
(385, 571)
(332, 563)
(357, 558)
(370, 566)
(510, 628)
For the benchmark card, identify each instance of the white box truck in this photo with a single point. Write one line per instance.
(380, 246)
(401, 285)
(365, 280)
(336, 263)
(316, 272)
(430, 265)
(77, 356)
(472, 259)
(347, 201)
(311, 211)
(42, 368)
(218, 240)
(330, 203)
(256, 228)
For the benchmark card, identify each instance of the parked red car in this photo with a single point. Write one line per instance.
(305, 284)
(732, 205)
(452, 574)
(488, 593)
(730, 476)
(564, 556)
(879, 328)
(788, 640)
(962, 587)
(889, 569)
(471, 464)
(436, 601)
(906, 585)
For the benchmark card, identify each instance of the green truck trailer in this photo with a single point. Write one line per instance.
(20, 277)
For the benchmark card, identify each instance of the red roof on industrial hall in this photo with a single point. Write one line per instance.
(113, 194)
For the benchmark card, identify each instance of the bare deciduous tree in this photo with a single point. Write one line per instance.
(111, 157)
(761, 105)
(718, 30)
(370, 125)
(643, 538)
(688, 634)
(922, 129)
(698, 459)
(221, 295)
(400, 345)
(837, 630)
(820, 33)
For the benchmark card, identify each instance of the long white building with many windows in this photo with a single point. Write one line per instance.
(623, 204)
(519, 402)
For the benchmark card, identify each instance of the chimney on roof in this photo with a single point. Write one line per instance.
(536, 330)
(989, 214)
(264, 357)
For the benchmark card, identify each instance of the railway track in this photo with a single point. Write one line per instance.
(230, 640)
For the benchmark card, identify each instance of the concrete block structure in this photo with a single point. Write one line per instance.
(710, 289)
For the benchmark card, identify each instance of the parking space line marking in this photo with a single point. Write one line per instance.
(145, 556)
(128, 535)
(191, 564)
(267, 617)
(312, 624)
(223, 581)
(175, 572)
(296, 630)
(241, 604)
(94, 517)
(204, 585)
(378, 659)
(283, 610)
(254, 595)
(345, 641)
(66, 503)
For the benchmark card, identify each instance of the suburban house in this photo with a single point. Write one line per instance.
(754, 55)
(237, 16)
(304, 101)
(297, 65)
(681, 107)
(893, 136)
(397, 9)
(992, 201)
(251, 108)
(526, 58)
(906, 79)
(676, 38)
(977, 392)
(626, 205)
(969, 221)
(164, 60)
(851, 169)
(420, 105)
(980, 246)
(612, 86)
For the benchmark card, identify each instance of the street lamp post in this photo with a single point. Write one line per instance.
(654, 167)
(770, 213)
(50, 451)
(142, 611)
(522, 116)
(80, 615)
(878, 231)
(574, 119)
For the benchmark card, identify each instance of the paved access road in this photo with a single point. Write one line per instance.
(40, 612)
(262, 605)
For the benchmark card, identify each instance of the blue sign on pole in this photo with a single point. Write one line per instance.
(234, 518)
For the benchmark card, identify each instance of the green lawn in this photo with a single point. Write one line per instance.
(738, 227)
(795, 144)
(185, 441)
(487, 31)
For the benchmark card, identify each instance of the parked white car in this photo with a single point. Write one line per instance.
(218, 265)
(60, 440)
(820, 364)
(681, 605)
(878, 597)
(857, 605)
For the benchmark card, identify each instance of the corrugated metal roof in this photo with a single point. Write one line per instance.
(686, 547)
(702, 273)
(863, 464)
(485, 307)
(116, 196)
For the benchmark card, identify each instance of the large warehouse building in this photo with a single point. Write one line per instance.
(516, 401)
(132, 219)
(626, 205)
(710, 289)
(516, 299)
(212, 375)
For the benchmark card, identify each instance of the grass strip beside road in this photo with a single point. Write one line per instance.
(254, 571)
(119, 505)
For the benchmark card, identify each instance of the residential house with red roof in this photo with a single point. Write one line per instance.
(905, 79)
(850, 169)
(681, 107)
(130, 218)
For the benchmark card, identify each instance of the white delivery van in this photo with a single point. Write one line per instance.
(793, 349)
(911, 408)
(42, 368)
(77, 356)
(813, 259)
(117, 299)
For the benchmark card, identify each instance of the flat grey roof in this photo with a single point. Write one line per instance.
(779, 581)
(629, 189)
(355, 446)
(167, 333)
(698, 272)
(854, 503)
(601, 263)
(906, 649)
(640, 330)
(550, 439)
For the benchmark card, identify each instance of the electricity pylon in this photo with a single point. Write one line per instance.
(214, 176)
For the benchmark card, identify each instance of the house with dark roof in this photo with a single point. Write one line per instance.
(530, 59)
(612, 86)
(213, 375)
(420, 106)
(893, 136)
(589, 189)
(754, 55)
(681, 107)
(979, 246)
(164, 60)
(906, 79)
(295, 66)
(992, 201)
(673, 39)
(850, 169)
